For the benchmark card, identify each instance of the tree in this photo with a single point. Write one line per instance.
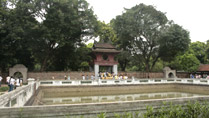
(40, 33)
(123, 59)
(140, 30)
(200, 50)
(17, 26)
(187, 62)
(64, 24)
(173, 41)
(76, 60)
(106, 32)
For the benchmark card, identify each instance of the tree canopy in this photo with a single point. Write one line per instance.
(37, 32)
(50, 35)
(146, 32)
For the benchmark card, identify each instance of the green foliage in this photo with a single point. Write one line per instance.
(199, 49)
(158, 66)
(133, 68)
(173, 41)
(84, 65)
(116, 115)
(124, 58)
(62, 30)
(187, 62)
(48, 35)
(148, 35)
(192, 109)
(149, 113)
(3, 89)
(106, 33)
(102, 115)
(17, 27)
(44, 32)
(73, 60)
(90, 45)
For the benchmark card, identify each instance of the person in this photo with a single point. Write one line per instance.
(83, 77)
(8, 82)
(92, 77)
(200, 76)
(105, 75)
(99, 75)
(207, 77)
(113, 75)
(116, 76)
(8, 78)
(17, 82)
(191, 76)
(196, 76)
(21, 81)
(12, 83)
(0, 80)
(65, 77)
(120, 77)
(87, 77)
(125, 77)
(68, 78)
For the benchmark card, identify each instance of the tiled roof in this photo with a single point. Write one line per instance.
(106, 50)
(203, 67)
(104, 45)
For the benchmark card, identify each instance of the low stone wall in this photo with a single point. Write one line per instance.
(78, 75)
(183, 75)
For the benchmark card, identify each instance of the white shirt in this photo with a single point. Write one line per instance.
(0, 78)
(17, 82)
(83, 77)
(8, 78)
(92, 77)
(12, 81)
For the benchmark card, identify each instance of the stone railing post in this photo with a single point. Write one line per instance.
(31, 80)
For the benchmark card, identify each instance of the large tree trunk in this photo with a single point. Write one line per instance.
(147, 68)
(44, 63)
(43, 66)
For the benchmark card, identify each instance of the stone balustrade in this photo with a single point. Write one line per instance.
(19, 96)
(122, 82)
(12, 103)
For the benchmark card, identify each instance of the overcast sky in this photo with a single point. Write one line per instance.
(193, 15)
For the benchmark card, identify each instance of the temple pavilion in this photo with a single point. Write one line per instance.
(104, 58)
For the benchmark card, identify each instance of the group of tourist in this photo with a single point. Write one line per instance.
(105, 75)
(67, 77)
(199, 76)
(13, 83)
(86, 77)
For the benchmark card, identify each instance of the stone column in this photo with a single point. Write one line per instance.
(96, 70)
(115, 69)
